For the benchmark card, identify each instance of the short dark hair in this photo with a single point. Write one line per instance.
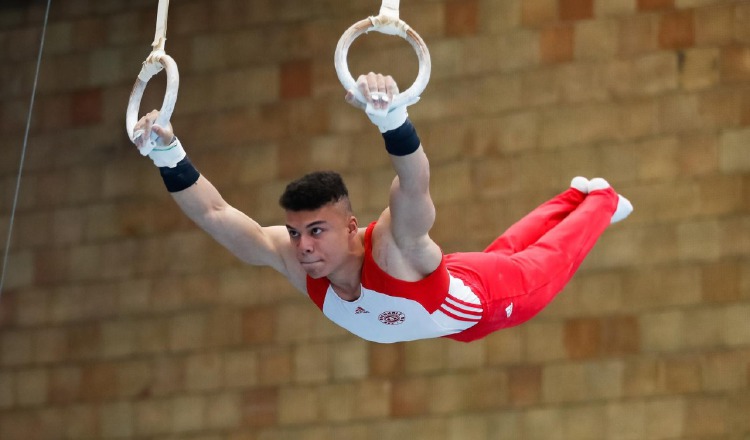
(313, 191)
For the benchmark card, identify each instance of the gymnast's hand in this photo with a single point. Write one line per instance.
(379, 91)
(168, 150)
(146, 125)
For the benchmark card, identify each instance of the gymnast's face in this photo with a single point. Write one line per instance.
(322, 238)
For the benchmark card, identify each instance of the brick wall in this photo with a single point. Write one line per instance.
(120, 319)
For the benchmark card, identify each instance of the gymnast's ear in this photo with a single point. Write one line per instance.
(353, 225)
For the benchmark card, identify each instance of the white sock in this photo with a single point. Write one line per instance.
(597, 183)
(624, 208)
(581, 184)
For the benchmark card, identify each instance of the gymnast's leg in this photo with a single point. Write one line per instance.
(547, 265)
(550, 244)
(538, 222)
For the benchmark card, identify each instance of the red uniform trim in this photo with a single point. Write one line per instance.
(316, 290)
(430, 291)
(445, 310)
(471, 306)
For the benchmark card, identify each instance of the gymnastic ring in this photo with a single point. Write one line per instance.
(391, 26)
(154, 63)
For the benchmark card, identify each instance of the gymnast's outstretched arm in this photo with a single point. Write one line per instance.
(202, 203)
(411, 211)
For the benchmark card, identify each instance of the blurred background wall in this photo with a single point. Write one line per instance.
(121, 319)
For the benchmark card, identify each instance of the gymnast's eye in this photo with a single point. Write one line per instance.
(316, 231)
(293, 233)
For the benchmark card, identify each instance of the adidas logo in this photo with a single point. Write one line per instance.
(509, 310)
(360, 310)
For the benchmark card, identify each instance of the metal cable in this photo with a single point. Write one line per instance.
(23, 150)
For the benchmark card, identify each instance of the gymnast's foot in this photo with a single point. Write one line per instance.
(624, 207)
(581, 184)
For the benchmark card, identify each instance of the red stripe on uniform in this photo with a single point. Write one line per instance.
(468, 304)
(462, 310)
(456, 317)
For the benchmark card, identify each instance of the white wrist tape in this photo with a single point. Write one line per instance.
(389, 118)
(394, 117)
(168, 155)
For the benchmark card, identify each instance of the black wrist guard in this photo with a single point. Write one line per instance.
(182, 176)
(402, 141)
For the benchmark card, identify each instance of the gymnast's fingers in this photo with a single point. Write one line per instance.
(381, 98)
(351, 99)
(391, 88)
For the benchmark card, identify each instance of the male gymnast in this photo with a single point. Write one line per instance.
(389, 281)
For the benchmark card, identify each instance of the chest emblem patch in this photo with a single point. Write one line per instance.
(392, 318)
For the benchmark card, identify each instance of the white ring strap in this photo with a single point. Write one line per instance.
(389, 8)
(155, 62)
(386, 23)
